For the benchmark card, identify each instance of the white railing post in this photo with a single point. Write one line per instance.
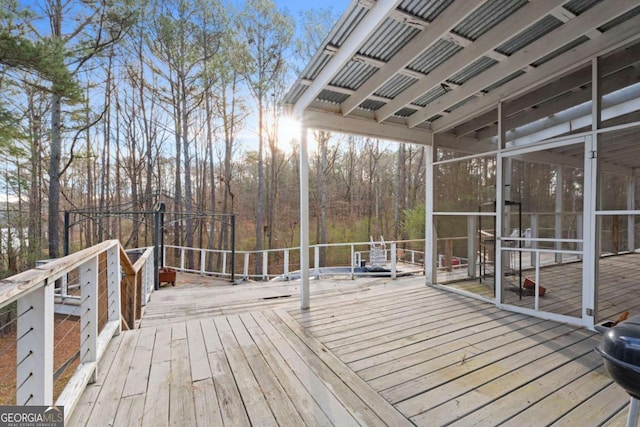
(113, 285)
(150, 277)
(316, 262)
(265, 265)
(286, 264)
(182, 251)
(224, 264)
(245, 269)
(203, 255)
(34, 369)
(353, 273)
(394, 259)
(89, 313)
(534, 234)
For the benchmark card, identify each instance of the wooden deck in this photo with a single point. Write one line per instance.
(378, 352)
(619, 288)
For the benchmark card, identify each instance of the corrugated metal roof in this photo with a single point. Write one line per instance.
(316, 67)
(504, 81)
(332, 97)
(437, 54)
(580, 6)
(396, 85)
(347, 24)
(560, 51)
(385, 37)
(428, 10)
(353, 75)
(620, 19)
(371, 105)
(531, 34)
(405, 112)
(486, 17)
(430, 96)
(472, 70)
(388, 39)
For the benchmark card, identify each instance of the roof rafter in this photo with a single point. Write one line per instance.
(592, 18)
(624, 33)
(365, 28)
(517, 22)
(430, 35)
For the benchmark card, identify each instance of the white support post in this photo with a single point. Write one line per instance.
(534, 234)
(34, 369)
(559, 208)
(245, 268)
(304, 219)
(265, 265)
(203, 255)
(89, 313)
(394, 261)
(316, 262)
(430, 270)
(472, 247)
(182, 259)
(590, 239)
(631, 219)
(286, 264)
(113, 285)
(500, 209)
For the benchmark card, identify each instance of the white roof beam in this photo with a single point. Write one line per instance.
(624, 33)
(373, 19)
(324, 120)
(609, 85)
(565, 15)
(516, 23)
(609, 66)
(430, 35)
(344, 90)
(592, 18)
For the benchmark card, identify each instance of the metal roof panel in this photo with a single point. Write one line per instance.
(395, 85)
(477, 67)
(428, 10)
(353, 75)
(437, 54)
(580, 6)
(486, 17)
(531, 34)
(388, 38)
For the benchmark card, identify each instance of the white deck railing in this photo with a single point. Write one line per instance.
(351, 255)
(110, 290)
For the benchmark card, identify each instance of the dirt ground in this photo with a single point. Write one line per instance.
(66, 344)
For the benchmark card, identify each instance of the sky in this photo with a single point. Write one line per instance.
(296, 6)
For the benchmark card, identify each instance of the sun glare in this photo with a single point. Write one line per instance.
(288, 133)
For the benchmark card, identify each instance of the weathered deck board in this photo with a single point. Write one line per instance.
(389, 354)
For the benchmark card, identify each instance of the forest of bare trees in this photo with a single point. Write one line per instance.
(112, 106)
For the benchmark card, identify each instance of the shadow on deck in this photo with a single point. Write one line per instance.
(368, 352)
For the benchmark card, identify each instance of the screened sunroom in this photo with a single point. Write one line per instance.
(531, 112)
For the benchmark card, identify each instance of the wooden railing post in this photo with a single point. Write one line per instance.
(113, 285)
(89, 313)
(34, 372)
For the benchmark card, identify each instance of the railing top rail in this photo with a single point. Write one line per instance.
(21, 284)
(143, 258)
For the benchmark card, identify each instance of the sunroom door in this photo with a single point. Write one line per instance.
(542, 222)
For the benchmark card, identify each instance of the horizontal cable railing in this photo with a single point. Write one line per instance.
(47, 358)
